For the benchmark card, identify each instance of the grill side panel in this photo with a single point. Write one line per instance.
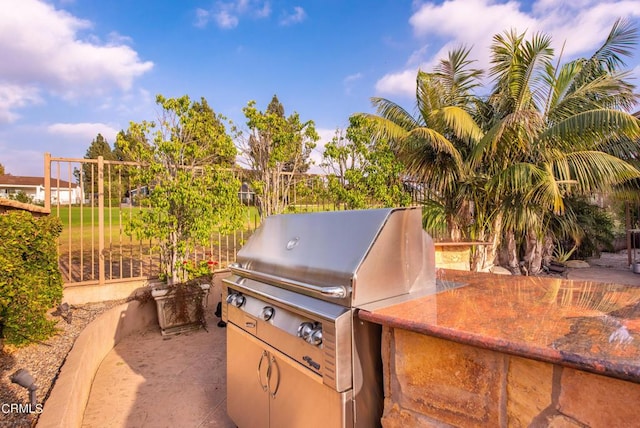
(400, 261)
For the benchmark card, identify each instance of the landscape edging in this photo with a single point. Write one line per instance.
(70, 394)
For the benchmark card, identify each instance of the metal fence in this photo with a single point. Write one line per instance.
(95, 200)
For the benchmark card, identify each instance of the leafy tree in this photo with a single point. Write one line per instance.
(510, 161)
(185, 157)
(277, 148)
(21, 196)
(591, 229)
(119, 152)
(89, 176)
(362, 172)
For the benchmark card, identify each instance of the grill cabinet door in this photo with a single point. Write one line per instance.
(302, 400)
(247, 401)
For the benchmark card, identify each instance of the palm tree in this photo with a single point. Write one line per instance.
(554, 133)
(504, 165)
(435, 145)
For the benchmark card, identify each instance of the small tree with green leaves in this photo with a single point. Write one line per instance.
(21, 196)
(277, 148)
(186, 158)
(363, 172)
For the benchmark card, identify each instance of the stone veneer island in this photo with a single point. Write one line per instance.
(508, 351)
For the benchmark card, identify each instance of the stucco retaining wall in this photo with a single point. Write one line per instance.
(68, 399)
(66, 403)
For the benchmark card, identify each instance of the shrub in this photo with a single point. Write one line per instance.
(30, 281)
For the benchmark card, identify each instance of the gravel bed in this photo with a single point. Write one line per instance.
(43, 361)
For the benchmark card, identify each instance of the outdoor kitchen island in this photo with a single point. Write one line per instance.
(494, 350)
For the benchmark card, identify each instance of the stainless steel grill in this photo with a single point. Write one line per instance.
(297, 355)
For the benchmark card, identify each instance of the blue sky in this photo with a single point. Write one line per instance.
(71, 69)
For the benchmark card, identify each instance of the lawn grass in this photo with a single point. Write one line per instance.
(81, 223)
(125, 255)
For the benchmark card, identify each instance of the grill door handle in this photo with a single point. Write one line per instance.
(265, 385)
(336, 292)
(274, 363)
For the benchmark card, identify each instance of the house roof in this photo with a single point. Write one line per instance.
(17, 180)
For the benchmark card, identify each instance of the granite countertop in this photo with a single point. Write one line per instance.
(581, 324)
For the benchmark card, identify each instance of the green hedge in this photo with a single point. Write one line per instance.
(30, 281)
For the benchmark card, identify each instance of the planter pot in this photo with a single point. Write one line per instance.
(180, 311)
(636, 267)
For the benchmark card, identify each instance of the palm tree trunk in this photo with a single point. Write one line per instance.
(509, 256)
(484, 257)
(533, 253)
(455, 233)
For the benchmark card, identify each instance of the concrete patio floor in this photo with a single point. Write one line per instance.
(609, 267)
(149, 380)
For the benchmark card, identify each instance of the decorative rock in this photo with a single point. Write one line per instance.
(499, 270)
(577, 264)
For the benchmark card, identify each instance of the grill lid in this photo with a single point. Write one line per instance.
(348, 257)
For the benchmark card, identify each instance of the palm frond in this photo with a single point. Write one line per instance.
(624, 148)
(597, 171)
(517, 178)
(620, 42)
(518, 217)
(457, 76)
(434, 217)
(394, 113)
(509, 140)
(609, 57)
(549, 192)
(535, 57)
(461, 123)
(430, 95)
(590, 128)
(425, 138)
(386, 129)
(603, 92)
(516, 68)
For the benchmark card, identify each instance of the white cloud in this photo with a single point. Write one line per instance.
(583, 24)
(403, 82)
(202, 18)
(226, 20)
(43, 51)
(349, 81)
(418, 56)
(13, 97)
(84, 131)
(352, 77)
(227, 14)
(297, 16)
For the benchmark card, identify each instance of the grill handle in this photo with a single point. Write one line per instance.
(266, 384)
(336, 292)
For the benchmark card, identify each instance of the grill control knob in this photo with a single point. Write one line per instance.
(267, 313)
(238, 301)
(305, 329)
(315, 337)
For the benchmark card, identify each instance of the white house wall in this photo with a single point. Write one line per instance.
(62, 195)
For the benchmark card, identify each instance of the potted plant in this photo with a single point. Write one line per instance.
(185, 163)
